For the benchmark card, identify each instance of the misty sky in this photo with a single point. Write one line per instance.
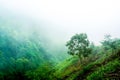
(63, 18)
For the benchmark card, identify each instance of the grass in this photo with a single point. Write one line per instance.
(99, 74)
(90, 69)
(66, 68)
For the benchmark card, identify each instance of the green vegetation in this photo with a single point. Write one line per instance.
(101, 64)
(17, 57)
(26, 56)
(79, 45)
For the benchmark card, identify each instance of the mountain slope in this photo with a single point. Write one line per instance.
(104, 67)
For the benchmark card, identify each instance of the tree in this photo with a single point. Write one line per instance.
(79, 45)
(107, 42)
(110, 44)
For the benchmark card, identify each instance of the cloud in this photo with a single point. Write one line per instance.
(63, 18)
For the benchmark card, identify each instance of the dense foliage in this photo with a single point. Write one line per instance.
(79, 45)
(25, 57)
(18, 56)
(102, 64)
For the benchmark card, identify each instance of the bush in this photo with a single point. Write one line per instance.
(100, 73)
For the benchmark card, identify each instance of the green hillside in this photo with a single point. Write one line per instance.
(27, 53)
(24, 57)
(102, 67)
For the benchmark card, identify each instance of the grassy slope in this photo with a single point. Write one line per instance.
(104, 68)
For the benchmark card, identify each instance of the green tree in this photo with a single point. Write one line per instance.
(79, 45)
(110, 44)
(107, 42)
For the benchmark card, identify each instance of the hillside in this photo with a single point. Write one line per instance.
(25, 53)
(25, 57)
(95, 67)
(59, 40)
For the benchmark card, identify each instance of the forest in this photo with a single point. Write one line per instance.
(26, 58)
(59, 40)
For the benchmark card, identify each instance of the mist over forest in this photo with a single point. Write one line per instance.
(59, 40)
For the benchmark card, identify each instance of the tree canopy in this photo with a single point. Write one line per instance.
(79, 45)
(110, 44)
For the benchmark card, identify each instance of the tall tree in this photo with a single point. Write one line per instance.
(79, 45)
